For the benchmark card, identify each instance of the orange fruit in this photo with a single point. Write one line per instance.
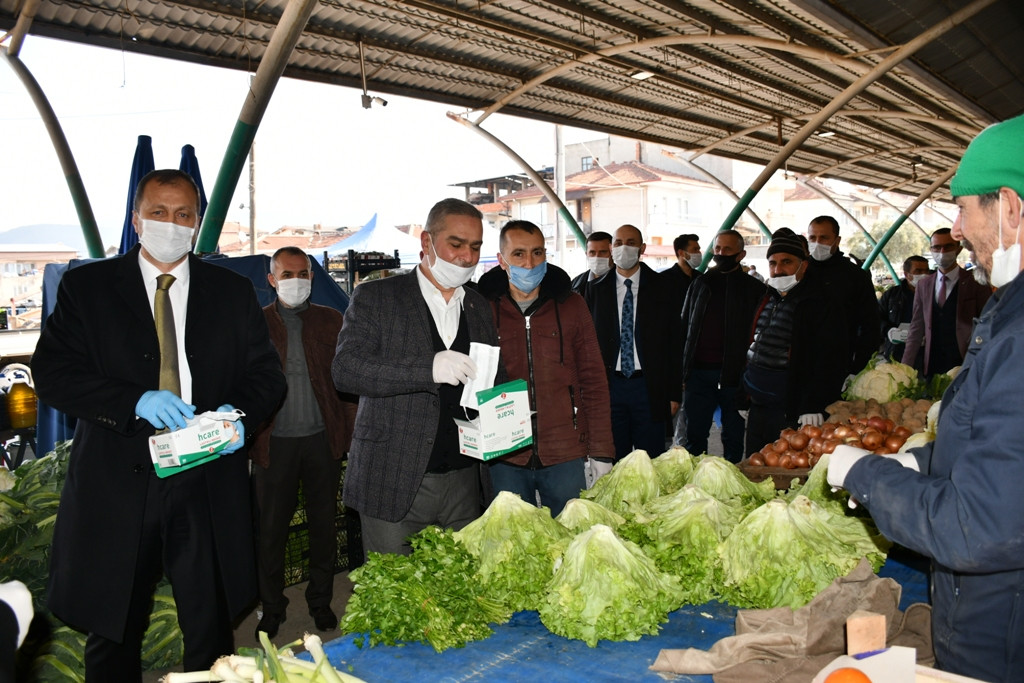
(847, 675)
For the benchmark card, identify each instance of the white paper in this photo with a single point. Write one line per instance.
(486, 358)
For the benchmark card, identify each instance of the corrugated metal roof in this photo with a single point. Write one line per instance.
(716, 80)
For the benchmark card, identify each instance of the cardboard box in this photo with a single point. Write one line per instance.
(503, 425)
(198, 443)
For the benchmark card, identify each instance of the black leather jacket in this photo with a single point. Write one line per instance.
(742, 295)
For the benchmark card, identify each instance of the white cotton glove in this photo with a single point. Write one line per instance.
(597, 469)
(452, 367)
(17, 595)
(906, 459)
(810, 419)
(843, 458)
(900, 333)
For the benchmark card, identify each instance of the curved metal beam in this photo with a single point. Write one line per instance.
(721, 185)
(848, 94)
(545, 189)
(93, 241)
(272, 65)
(906, 116)
(666, 41)
(903, 217)
(867, 234)
(887, 152)
(878, 196)
(17, 34)
(738, 134)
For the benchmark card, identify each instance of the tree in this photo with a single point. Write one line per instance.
(907, 241)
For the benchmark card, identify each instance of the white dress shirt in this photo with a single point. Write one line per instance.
(178, 294)
(445, 313)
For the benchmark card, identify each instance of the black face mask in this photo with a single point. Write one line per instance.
(725, 262)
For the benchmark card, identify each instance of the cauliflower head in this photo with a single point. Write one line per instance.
(883, 381)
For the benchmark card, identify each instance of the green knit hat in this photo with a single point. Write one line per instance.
(993, 160)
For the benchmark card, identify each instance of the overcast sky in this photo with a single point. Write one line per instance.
(320, 157)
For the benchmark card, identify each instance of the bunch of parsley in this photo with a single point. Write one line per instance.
(431, 596)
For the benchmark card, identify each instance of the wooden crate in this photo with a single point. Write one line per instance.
(781, 475)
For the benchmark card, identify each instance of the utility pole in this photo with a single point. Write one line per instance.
(252, 198)
(560, 189)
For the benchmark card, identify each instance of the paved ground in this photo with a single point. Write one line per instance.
(298, 621)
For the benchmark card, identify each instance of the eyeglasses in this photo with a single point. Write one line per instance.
(952, 246)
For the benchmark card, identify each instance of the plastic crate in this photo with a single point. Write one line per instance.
(296, 553)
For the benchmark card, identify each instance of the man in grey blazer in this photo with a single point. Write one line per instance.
(403, 349)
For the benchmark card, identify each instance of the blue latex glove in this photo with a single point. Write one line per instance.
(239, 427)
(164, 410)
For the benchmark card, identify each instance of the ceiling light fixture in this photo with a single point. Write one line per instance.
(826, 134)
(641, 75)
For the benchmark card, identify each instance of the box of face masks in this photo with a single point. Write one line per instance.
(199, 442)
(503, 425)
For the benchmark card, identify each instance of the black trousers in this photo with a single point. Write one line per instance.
(764, 423)
(177, 540)
(306, 459)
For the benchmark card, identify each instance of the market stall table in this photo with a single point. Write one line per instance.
(524, 650)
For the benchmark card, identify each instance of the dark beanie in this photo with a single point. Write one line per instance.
(787, 241)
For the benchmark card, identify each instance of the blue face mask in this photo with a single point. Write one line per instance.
(527, 279)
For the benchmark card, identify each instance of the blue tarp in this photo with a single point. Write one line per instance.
(141, 165)
(524, 650)
(53, 426)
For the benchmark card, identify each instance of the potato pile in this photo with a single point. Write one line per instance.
(804, 447)
(905, 412)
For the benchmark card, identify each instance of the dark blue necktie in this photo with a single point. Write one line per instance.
(626, 336)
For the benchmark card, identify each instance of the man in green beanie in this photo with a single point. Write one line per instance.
(958, 500)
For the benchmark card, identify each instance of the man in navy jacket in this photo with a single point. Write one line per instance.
(957, 500)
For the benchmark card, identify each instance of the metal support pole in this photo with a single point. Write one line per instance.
(560, 188)
(710, 249)
(867, 234)
(721, 185)
(274, 61)
(903, 217)
(538, 181)
(848, 94)
(25, 17)
(252, 199)
(878, 196)
(93, 242)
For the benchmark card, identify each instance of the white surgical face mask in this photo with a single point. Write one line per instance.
(165, 242)
(943, 259)
(694, 260)
(916, 279)
(625, 256)
(598, 265)
(448, 275)
(293, 291)
(819, 251)
(1005, 260)
(782, 283)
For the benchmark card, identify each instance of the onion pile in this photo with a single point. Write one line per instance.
(802, 448)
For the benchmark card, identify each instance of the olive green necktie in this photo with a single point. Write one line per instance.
(163, 314)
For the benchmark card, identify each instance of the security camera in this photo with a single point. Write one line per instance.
(381, 101)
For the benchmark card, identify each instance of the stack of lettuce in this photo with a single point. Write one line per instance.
(649, 537)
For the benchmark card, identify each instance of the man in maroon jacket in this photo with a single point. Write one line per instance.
(304, 442)
(547, 338)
